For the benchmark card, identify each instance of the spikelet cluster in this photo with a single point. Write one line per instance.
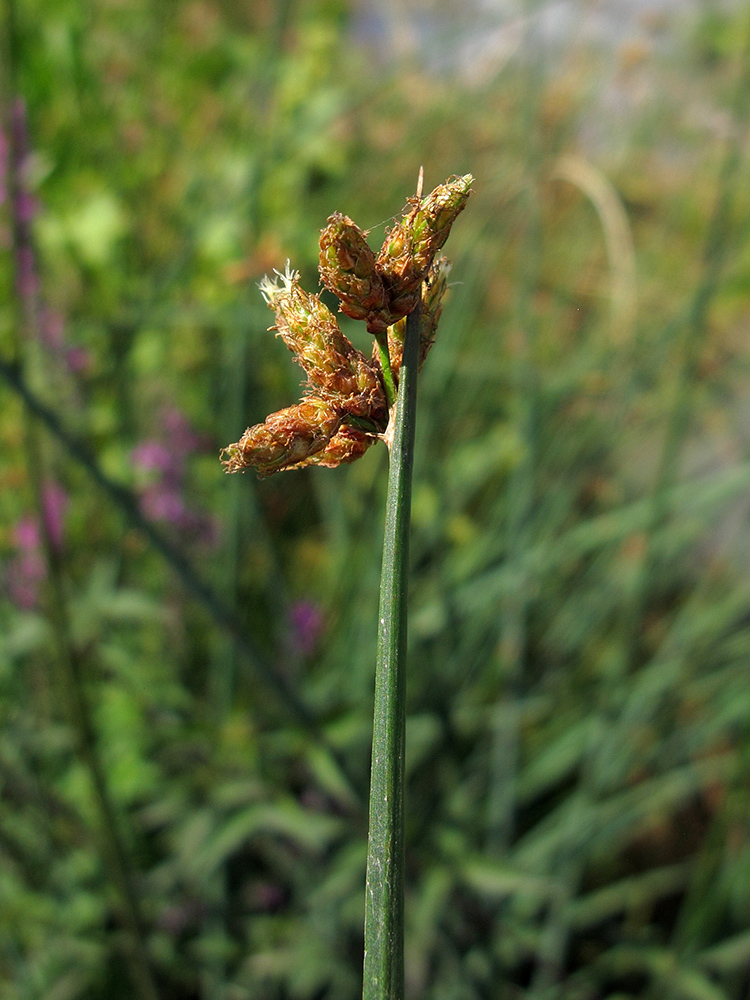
(341, 385)
(382, 290)
(344, 410)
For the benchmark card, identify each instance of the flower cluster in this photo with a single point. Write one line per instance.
(161, 468)
(16, 170)
(28, 568)
(345, 407)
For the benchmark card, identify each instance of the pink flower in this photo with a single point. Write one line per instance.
(26, 534)
(3, 166)
(25, 573)
(162, 504)
(55, 503)
(305, 627)
(151, 455)
(28, 568)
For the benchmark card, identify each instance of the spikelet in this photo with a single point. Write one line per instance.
(347, 268)
(410, 246)
(310, 330)
(347, 445)
(433, 292)
(286, 439)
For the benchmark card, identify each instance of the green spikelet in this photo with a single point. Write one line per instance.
(347, 268)
(410, 246)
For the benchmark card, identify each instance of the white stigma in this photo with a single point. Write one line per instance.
(282, 284)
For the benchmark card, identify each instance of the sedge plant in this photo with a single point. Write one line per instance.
(350, 402)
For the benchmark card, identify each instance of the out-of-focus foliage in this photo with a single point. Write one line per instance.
(579, 732)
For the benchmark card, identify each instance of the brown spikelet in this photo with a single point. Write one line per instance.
(411, 245)
(347, 268)
(347, 445)
(285, 440)
(433, 292)
(310, 330)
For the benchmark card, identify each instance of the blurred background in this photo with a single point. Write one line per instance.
(186, 659)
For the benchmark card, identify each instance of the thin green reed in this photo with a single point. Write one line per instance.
(716, 250)
(519, 507)
(224, 666)
(350, 402)
(612, 711)
(238, 513)
(518, 503)
(71, 673)
(384, 893)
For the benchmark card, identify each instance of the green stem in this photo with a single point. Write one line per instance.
(384, 902)
(385, 364)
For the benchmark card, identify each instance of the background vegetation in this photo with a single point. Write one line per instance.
(186, 660)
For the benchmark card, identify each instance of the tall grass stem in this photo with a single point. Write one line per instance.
(384, 901)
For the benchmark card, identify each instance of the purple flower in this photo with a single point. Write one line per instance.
(52, 329)
(77, 360)
(305, 627)
(24, 209)
(25, 573)
(27, 570)
(26, 534)
(182, 438)
(162, 504)
(3, 167)
(26, 206)
(52, 334)
(150, 455)
(55, 503)
(27, 278)
(161, 465)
